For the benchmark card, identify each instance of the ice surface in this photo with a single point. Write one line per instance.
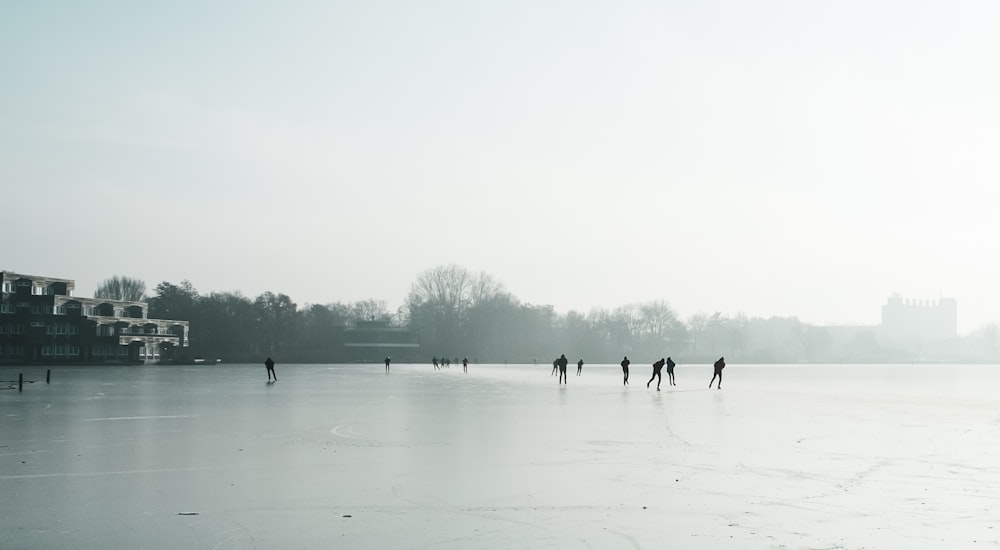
(345, 456)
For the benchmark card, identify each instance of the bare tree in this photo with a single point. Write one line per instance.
(371, 310)
(122, 288)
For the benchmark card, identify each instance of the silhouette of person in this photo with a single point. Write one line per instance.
(670, 371)
(562, 368)
(465, 364)
(719, 365)
(625, 364)
(657, 366)
(435, 362)
(388, 360)
(579, 367)
(555, 366)
(269, 363)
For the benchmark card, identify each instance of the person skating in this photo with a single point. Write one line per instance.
(657, 367)
(625, 363)
(719, 365)
(388, 360)
(579, 367)
(465, 364)
(269, 363)
(670, 371)
(562, 368)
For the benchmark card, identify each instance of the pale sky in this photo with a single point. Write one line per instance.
(771, 158)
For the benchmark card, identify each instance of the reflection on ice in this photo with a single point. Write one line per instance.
(502, 457)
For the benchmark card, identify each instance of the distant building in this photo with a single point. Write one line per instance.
(41, 322)
(374, 340)
(920, 320)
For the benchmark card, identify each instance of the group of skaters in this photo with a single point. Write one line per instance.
(561, 362)
(444, 362)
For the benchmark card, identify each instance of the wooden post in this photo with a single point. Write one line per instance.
(20, 381)
(48, 375)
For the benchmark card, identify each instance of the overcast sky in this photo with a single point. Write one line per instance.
(772, 158)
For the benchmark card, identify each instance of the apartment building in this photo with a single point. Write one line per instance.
(42, 322)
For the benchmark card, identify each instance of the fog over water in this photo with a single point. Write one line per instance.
(346, 456)
(770, 158)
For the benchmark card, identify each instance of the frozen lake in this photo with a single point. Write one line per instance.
(345, 456)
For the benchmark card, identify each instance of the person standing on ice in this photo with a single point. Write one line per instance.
(270, 369)
(719, 365)
(435, 362)
(563, 362)
(579, 367)
(670, 371)
(388, 359)
(465, 364)
(625, 364)
(657, 366)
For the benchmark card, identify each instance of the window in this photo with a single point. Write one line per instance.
(37, 290)
(17, 329)
(38, 323)
(59, 310)
(40, 310)
(73, 305)
(46, 350)
(3, 328)
(23, 304)
(8, 286)
(73, 329)
(6, 308)
(24, 283)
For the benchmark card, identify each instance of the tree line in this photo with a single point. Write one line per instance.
(456, 313)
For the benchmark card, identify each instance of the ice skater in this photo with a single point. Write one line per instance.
(435, 362)
(670, 371)
(269, 363)
(719, 365)
(625, 364)
(657, 367)
(579, 367)
(562, 361)
(388, 360)
(555, 366)
(465, 364)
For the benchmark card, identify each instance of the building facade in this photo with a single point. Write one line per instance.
(372, 341)
(42, 322)
(920, 320)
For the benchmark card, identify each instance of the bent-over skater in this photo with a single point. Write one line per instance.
(269, 363)
(657, 367)
(625, 364)
(719, 365)
(670, 371)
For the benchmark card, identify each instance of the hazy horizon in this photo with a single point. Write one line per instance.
(804, 160)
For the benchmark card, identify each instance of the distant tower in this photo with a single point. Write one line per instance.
(925, 320)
